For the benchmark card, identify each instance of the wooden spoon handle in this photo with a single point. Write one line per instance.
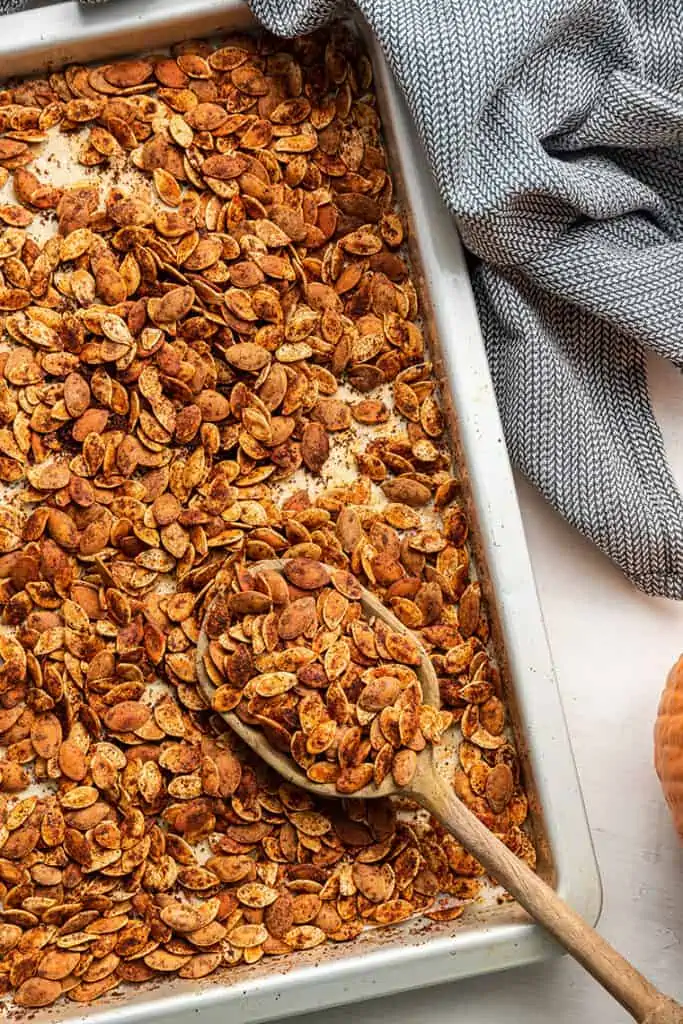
(642, 1000)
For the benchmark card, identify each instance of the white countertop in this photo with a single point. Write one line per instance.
(612, 648)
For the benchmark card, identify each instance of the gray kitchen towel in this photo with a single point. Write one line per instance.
(554, 129)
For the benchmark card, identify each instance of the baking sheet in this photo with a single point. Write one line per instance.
(490, 937)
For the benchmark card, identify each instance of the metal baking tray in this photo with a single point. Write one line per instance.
(493, 935)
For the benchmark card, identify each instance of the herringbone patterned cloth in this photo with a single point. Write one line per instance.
(554, 130)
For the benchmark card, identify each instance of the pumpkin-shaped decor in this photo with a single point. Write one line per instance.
(669, 743)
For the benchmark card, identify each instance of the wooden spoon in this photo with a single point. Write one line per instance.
(639, 996)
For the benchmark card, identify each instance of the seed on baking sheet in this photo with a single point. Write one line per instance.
(48, 476)
(304, 936)
(57, 964)
(247, 935)
(200, 966)
(36, 992)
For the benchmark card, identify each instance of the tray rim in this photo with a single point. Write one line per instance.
(67, 31)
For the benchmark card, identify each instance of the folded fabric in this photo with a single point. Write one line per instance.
(553, 129)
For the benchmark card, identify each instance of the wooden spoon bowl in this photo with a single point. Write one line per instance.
(428, 787)
(285, 765)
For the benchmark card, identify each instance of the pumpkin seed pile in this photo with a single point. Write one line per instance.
(327, 686)
(184, 359)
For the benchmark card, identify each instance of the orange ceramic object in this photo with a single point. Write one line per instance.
(669, 743)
